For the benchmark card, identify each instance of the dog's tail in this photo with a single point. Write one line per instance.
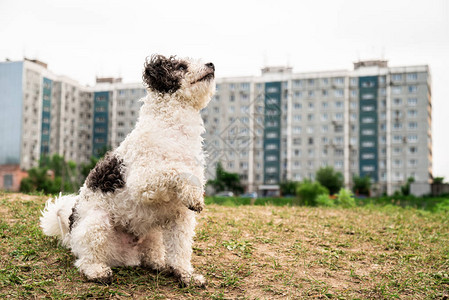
(55, 216)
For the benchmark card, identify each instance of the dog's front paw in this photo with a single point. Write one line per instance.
(192, 197)
(98, 273)
(186, 279)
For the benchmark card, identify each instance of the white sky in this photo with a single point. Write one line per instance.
(85, 38)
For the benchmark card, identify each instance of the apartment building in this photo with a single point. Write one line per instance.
(44, 114)
(372, 121)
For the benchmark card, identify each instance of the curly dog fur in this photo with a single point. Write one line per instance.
(137, 206)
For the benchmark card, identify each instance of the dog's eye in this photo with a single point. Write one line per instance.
(182, 67)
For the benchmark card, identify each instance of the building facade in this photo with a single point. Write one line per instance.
(44, 113)
(372, 121)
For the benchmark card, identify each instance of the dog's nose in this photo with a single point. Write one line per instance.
(210, 65)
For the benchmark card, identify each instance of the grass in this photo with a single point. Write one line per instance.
(251, 252)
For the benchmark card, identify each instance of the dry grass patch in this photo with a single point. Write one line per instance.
(250, 252)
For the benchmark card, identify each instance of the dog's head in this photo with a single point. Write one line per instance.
(187, 80)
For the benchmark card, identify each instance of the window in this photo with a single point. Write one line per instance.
(338, 164)
(339, 81)
(297, 106)
(310, 152)
(367, 120)
(310, 117)
(338, 116)
(397, 139)
(7, 181)
(297, 130)
(412, 113)
(271, 158)
(367, 144)
(325, 81)
(325, 93)
(311, 94)
(397, 163)
(298, 83)
(397, 126)
(244, 86)
(412, 162)
(367, 96)
(412, 125)
(367, 107)
(324, 117)
(297, 118)
(338, 93)
(396, 77)
(412, 138)
(354, 93)
(324, 105)
(368, 84)
(413, 150)
(311, 82)
(412, 89)
(412, 77)
(309, 129)
(368, 168)
(368, 132)
(368, 156)
(338, 152)
(397, 101)
(339, 104)
(353, 82)
(396, 90)
(412, 101)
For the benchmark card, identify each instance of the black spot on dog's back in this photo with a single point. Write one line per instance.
(107, 176)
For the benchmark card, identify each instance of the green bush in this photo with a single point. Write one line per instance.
(345, 198)
(324, 200)
(308, 192)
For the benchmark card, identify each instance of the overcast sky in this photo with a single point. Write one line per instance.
(83, 39)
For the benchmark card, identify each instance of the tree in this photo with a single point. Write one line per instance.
(330, 179)
(405, 189)
(308, 192)
(225, 181)
(362, 185)
(288, 187)
(53, 175)
(438, 180)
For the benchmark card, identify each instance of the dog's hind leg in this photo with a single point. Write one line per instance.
(153, 250)
(178, 239)
(91, 242)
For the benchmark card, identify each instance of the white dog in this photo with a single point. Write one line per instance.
(137, 205)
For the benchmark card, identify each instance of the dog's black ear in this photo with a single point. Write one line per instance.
(159, 74)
